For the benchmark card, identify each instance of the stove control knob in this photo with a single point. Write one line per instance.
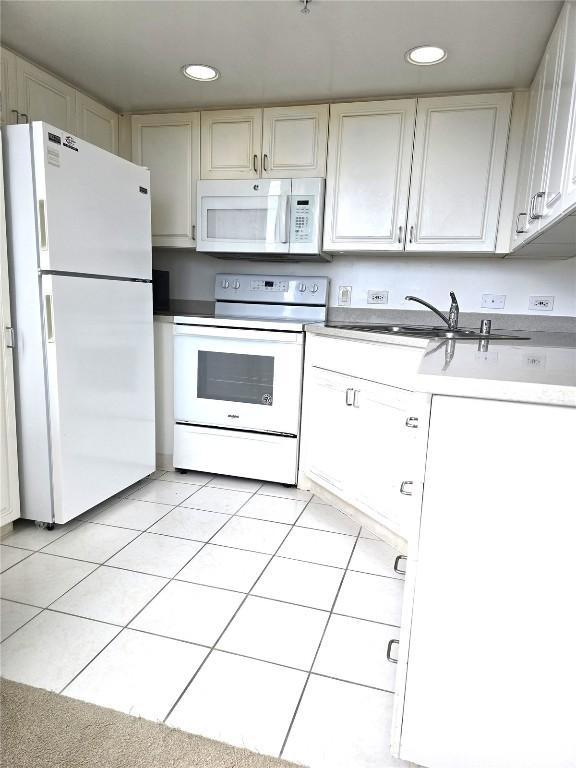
(236, 284)
(301, 287)
(225, 284)
(314, 288)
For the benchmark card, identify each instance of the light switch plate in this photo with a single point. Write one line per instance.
(344, 295)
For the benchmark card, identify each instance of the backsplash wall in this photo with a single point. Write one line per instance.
(431, 278)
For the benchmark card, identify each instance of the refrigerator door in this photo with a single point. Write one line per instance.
(93, 208)
(100, 372)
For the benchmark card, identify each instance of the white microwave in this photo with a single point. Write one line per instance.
(261, 218)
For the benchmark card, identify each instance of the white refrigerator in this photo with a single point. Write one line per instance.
(79, 247)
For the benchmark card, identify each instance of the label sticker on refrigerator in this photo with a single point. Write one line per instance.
(54, 138)
(70, 143)
(53, 156)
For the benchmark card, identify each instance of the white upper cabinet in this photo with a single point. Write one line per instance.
(8, 99)
(169, 145)
(96, 123)
(547, 180)
(370, 150)
(458, 169)
(42, 96)
(231, 143)
(294, 141)
(275, 142)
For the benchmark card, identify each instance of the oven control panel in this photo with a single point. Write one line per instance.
(271, 289)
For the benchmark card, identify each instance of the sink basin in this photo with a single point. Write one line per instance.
(429, 332)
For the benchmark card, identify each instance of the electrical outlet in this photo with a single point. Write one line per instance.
(493, 300)
(344, 295)
(541, 303)
(377, 297)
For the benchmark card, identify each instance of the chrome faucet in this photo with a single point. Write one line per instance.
(452, 319)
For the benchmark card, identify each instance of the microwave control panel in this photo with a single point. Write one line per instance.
(303, 210)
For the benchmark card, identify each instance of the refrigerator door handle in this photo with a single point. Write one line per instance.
(49, 313)
(42, 222)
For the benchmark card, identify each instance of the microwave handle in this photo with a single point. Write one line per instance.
(283, 217)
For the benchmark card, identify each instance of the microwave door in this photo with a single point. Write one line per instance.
(240, 217)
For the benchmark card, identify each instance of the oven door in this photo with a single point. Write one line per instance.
(238, 378)
(244, 216)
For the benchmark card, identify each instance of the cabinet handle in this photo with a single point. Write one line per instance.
(412, 421)
(397, 563)
(406, 487)
(15, 112)
(412, 233)
(49, 318)
(389, 651)
(400, 233)
(194, 232)
(24, 115)
(10, 337)
(265, 162)
(349, 396)
(521, 230)
(533, 214)
(355, 398)
(255, 163)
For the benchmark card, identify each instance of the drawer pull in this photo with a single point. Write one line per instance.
(406, 487)
(412, 421)
(350, 396)
(389, 651)
(397, 565)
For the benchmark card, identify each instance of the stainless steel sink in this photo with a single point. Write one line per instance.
(428, 331)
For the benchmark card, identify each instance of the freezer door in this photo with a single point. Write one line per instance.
(93, 208)
(100, 360)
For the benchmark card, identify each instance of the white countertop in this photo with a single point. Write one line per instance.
(539, 370)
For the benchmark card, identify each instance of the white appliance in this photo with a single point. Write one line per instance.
(78, 226)
(262, 217)
(238, 376)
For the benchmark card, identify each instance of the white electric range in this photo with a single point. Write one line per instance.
(238, 376)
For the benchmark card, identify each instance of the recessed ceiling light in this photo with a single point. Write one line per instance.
(424, 55)
(200, 72)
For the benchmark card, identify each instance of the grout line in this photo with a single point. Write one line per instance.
(318, 648)
(173, 707)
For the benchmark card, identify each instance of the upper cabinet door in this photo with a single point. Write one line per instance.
(43, 97)
(295, 141)
(561, 94)
(8, 100)
(169, 145)
(458, 168)
(231, 144)
(369, 154)
(96, 123)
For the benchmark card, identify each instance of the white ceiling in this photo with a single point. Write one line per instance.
(128, 54)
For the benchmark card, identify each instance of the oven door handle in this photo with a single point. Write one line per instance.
(238, 334)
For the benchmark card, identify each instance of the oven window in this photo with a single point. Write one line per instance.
(237, 378)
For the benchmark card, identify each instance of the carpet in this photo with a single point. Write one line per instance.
(40, 729)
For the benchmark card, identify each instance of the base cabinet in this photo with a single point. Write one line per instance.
(490, 670)
(365, 442)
